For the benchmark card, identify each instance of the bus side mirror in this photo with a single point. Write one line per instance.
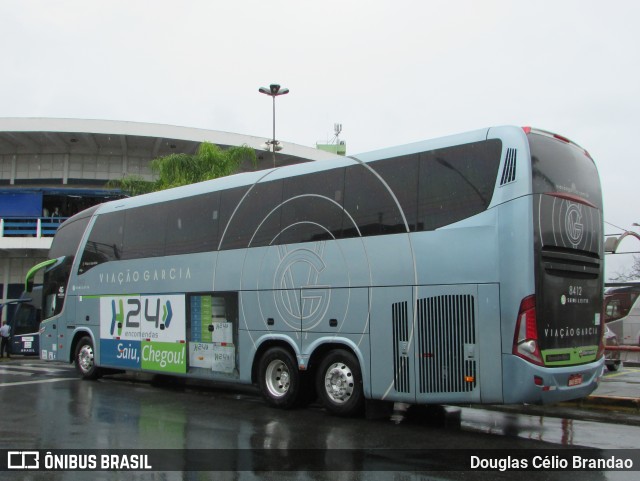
(28, 280)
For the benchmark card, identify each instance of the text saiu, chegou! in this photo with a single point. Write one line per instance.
(164, 356)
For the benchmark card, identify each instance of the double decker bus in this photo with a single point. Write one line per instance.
(466, 269)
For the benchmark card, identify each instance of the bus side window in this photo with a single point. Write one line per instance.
(144, 233)
(229, 237)
(192, 224)
(255, 223)
(49, 306)
(54, 287)
(368, 202)
(312, 209)
(457, 182)
(401, 175)
(612, 310)
(617, 306)
(105, 241)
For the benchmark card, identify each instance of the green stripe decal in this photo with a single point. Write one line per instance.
(570, 356)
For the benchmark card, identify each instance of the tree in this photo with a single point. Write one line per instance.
(209, 162)
(132, 185)
(632, 274)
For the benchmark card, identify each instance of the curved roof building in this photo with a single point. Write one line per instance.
(52, 168)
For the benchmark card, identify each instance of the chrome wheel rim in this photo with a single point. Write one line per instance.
(85, 358)
(339, 382)
(278, 378)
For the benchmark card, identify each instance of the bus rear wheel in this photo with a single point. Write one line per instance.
(279, 378)
(85, 359)
(339, 383)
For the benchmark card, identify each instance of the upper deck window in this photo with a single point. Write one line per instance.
(69, 235)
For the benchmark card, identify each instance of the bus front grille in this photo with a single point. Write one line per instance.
(446, 332)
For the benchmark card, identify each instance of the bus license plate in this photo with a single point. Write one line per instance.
(575, 380)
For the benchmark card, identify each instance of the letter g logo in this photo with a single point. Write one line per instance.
(300, 269)
(573, 224)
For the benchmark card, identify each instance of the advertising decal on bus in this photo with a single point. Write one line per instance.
(145, 332)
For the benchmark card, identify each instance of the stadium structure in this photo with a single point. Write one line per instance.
(52, 168)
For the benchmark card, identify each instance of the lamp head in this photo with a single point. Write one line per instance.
(274, 90)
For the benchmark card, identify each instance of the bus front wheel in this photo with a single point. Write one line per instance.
(339, 383)
(85, 359)
(279, 378)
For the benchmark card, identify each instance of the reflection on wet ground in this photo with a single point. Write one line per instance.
(124, 412)
(567, 432)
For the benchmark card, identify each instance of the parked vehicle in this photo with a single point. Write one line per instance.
(25, 323)
(466, 270)
(622, 313)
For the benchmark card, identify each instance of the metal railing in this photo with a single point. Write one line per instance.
(623, 348)
(30, 226)
(628, 355)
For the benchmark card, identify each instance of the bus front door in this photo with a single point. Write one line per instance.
(55, 331)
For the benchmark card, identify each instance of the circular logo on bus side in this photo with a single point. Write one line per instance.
(300, 268)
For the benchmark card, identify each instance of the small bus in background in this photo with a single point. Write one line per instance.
(25, 322)
(27, 315)
(622, 313)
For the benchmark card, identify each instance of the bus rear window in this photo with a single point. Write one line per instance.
(562, 167)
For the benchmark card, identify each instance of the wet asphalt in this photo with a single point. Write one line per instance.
(50, 408)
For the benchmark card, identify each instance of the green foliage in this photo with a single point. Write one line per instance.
(210, 162)
(132, 185)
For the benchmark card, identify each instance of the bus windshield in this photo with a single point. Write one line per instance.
(64, 247)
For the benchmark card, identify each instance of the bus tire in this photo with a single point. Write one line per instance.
(614, 366)
(84, 359)
(339, 383)
(279, 378)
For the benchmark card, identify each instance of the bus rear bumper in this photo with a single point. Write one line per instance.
(524, 382)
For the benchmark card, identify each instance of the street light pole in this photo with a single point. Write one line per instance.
(273, 91)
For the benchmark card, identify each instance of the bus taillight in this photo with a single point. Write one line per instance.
(525, 341)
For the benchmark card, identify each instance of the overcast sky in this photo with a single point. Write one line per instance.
(391, 72)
